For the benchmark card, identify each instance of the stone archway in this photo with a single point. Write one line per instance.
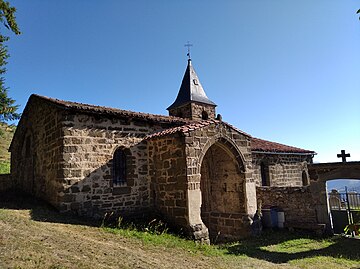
(223, 208)
(320, 173)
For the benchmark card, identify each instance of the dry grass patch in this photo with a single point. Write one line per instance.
(33, 235)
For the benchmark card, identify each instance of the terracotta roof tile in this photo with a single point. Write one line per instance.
(192, 126)
(185, 124)
(256, 143)
(268, 146)
(111, 111)
(182, 129)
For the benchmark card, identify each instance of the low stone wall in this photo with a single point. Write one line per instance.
(297, 202)
(6, 182)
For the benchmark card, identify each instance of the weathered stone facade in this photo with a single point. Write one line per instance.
(199, 173)
(218, 159)
(89, 143)
(298, 203)
(36, 152)
(194, 111)
(281, 170)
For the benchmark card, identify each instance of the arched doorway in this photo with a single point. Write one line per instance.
(223, 206)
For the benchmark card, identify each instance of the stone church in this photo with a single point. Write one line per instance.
(196, 170)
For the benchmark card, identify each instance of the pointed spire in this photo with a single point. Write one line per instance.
(191, 89)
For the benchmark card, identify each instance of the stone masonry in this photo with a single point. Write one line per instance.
(194, 111)
(298, 203)
(285, 170)
(200, 174)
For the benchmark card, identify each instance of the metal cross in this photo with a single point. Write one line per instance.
(188, 45)
(343, 156)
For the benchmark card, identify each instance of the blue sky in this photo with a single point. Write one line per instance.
(340, 184)
(285, 71)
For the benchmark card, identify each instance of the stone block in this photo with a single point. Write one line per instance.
(74, 189)
(121, 190)
(68, 198)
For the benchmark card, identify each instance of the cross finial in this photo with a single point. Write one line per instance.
(343, 156)
(188, 45)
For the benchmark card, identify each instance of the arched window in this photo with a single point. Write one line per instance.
(204, 115)
(264, 170)
(119, 167)
(305, 178)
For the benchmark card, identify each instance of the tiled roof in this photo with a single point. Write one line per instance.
(182, 129)
(111, 111)
(256, 143)
(185, 124)
(273, 147)
(191, 127)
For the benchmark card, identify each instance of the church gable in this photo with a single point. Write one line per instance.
(35, 150)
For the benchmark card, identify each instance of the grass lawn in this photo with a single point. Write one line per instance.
(33, 235)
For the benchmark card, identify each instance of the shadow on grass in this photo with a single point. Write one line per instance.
(337, 247)
(40, 210)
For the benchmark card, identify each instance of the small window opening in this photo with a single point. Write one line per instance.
(195, 82)
(305, 178)
(204, 115)
(119, 167)
(264, 174)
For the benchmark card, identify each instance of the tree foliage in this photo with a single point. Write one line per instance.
(8, 20)
(358, 12)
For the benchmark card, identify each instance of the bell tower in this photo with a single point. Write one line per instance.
(191, 101)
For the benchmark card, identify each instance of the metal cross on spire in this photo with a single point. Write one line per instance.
(343, 156)
(188, 45)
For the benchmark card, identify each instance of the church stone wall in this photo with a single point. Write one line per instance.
(282, 170)
(193, 111)
(298, 203)
(168, 178)
(89, 143)
(36, 152)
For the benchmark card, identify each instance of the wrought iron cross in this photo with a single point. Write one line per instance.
(188, 45)
(343, 156)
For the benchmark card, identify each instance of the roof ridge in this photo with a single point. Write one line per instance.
(191, 126)
(111, 110)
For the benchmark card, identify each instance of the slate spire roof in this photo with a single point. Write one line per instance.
(191, 89)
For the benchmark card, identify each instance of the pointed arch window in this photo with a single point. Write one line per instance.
(119, 169)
